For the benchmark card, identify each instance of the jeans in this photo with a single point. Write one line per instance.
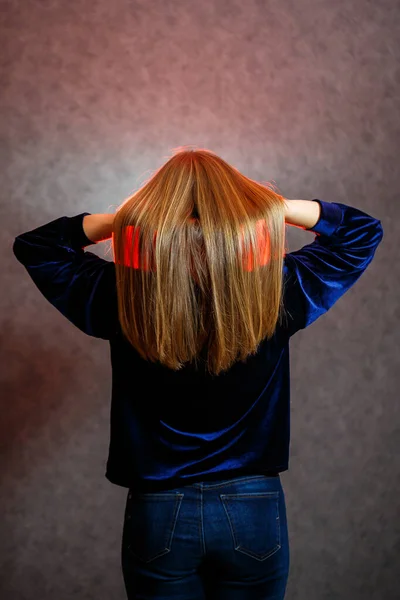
(220, 540)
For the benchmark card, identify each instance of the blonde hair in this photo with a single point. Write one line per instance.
(195, 221)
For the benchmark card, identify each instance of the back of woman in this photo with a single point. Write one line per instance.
(198, 305)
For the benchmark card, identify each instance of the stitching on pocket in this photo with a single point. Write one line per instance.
(242, 540)
(140, 546)
(239, 480)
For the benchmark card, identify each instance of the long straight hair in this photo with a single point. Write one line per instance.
(199, 252)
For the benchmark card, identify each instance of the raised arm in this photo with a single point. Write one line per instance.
(318, 274)
(302, 213)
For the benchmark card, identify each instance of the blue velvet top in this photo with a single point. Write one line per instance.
(174, 428)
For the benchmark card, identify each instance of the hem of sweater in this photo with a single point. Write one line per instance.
(150, 485)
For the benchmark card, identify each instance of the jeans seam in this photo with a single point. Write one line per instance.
(274, 493)
(177, 508)
(231, 482)
(230, 524)
(202, 522)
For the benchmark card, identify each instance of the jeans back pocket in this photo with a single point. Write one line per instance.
(254, 522)
(150, 521)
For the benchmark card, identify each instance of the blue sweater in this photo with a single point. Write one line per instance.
(169, 428)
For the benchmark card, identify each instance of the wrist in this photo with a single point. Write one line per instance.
(98, 227)
(287, 207)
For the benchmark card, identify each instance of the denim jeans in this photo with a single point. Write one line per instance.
(220, 540)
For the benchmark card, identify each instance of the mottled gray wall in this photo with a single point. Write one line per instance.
(94, 95)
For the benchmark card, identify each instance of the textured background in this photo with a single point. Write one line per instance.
(94, 95)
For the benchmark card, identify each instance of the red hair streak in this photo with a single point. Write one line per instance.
(263, 252)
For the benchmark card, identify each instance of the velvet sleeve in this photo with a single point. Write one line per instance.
(318, 274)
(79, 284)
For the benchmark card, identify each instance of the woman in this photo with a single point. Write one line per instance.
(198, 306)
